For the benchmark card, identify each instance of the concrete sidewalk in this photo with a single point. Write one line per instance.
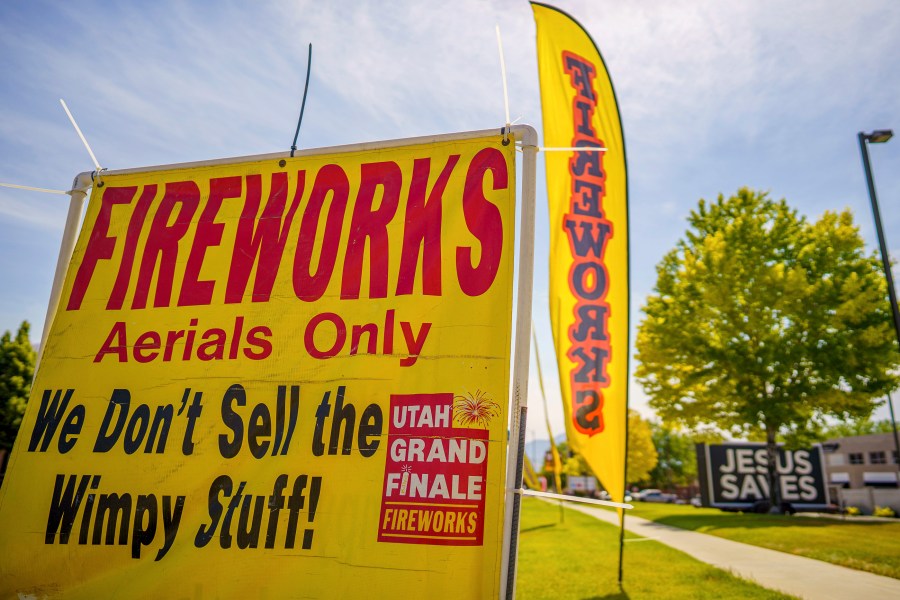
(788, 573)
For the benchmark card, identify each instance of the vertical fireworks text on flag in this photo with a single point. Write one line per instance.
(588, 205)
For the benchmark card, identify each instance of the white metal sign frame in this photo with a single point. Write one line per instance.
(526, 136)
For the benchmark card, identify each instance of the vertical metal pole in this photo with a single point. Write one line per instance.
(78, 193)
(515, 512)
(886, 262)
(890, 403)
(519, 408)
(621, 511)
(885, 258)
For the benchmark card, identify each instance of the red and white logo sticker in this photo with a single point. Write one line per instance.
(434, 476)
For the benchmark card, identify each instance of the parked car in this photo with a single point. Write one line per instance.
(640, 494)
(604, 495)
(653, 495)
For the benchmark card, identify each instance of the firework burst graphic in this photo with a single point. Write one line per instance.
(475, 409)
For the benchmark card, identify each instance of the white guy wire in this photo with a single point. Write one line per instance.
(32, 189)
(552, 496)
(81, 135)
(574, 149)
(503, 74)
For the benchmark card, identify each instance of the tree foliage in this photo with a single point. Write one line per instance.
(642, 454)
(855, 428)
(677, 464)
(17, 359)
(573, 463)
(764, 324)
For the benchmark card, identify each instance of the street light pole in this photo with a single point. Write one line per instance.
(879, 137)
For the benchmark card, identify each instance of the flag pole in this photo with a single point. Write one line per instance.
(619, 510)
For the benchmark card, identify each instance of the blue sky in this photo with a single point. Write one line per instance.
(714, 95)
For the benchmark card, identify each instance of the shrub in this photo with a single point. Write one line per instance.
(884, 511)
(852, 511)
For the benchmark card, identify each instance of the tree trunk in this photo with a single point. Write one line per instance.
(772, 456)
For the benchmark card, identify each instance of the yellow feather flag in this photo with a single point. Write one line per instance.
(556, 466)
(588, 196)
(557, 463)
(529, 475)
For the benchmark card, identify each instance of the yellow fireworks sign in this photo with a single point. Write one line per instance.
(276, 376)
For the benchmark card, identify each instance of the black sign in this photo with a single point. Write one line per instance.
(735, 476)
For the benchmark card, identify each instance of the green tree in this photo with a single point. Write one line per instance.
(854, 428)
(641, 451)
(642, 455)
(17, 358)
(572, 462)
(764, 324)
(677, 464)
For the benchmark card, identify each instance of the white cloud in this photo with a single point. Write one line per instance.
(713, 94)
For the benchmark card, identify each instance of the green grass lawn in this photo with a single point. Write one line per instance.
(864, 545)
(578, 559)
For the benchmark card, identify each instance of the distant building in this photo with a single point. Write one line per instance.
(862, 461)
(863, 471)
